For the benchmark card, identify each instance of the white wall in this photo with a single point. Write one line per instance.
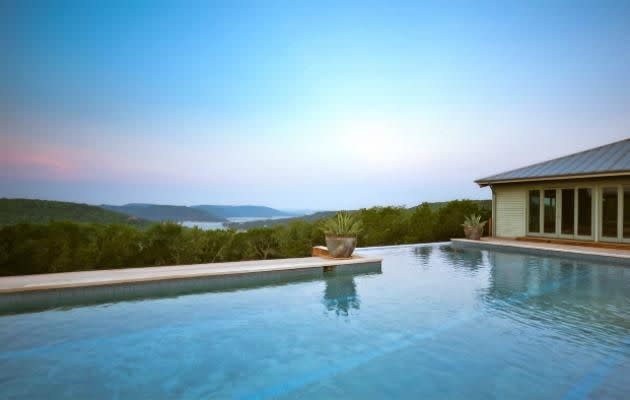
(510, 206)
(511, 212)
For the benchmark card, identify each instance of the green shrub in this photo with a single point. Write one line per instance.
(70, 246)
(342, 224)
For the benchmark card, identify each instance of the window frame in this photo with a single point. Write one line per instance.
(558, 234)
(528, 213)
(593, 212)
(623, 240)
(602, 238)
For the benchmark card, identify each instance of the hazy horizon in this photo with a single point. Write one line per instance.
(284, 209)
(302, 105)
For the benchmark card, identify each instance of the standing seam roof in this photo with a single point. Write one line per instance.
(612, 157)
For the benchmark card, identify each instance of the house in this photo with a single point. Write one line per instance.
(582, 196)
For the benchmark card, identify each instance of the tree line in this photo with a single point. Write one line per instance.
(29, 248)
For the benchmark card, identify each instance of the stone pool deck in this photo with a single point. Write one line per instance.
(584, 252)
(82, 279)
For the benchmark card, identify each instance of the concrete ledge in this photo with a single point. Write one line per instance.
(64, 280)
(584, 253)
(45, 299)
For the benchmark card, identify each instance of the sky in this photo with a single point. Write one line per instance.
(301, 104)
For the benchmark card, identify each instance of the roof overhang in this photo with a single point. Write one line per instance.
(488, 182)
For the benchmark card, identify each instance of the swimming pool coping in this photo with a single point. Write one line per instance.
(109, 277)
(581, 252)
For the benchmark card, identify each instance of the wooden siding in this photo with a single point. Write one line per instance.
(511, 212)
(505, 207)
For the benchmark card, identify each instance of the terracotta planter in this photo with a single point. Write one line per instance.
(341, 246)
(475, 233)
(467, 231)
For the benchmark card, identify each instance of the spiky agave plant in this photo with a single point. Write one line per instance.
(342, 224)
(474, 222)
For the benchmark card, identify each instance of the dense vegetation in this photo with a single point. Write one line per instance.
(68, 246)
(13, 211)
(157, 212)
(436, 206)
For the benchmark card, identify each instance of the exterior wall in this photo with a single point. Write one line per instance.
(510, 211)
(510, 206)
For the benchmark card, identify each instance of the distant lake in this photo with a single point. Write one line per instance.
(208, 226)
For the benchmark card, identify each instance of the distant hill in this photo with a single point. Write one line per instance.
(439, 204)
(487, 204)
(243, 211)
(272, 222)
(156, 212)
(13, 211)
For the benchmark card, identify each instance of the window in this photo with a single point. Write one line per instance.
(626, 212)
(609, 212)
(584, 215)
(567, 225)
(549, 216)
(534, 211)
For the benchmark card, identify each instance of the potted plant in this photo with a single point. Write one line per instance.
(341, 234)
(473, 227)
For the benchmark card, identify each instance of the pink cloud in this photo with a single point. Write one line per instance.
(38, 157)
(37, 163)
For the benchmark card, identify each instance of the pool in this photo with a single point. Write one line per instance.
(434, 322)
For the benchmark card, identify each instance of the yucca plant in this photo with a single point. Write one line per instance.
(342, 224)
(473, 226)
(341, 234)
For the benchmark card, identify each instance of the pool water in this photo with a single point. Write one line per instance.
(436, 322)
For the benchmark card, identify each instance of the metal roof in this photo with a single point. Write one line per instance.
(610, 159)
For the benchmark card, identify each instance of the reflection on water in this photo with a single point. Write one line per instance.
(560, 294)
(423, 253)
(340, 294)
(470, 259)
(473, 325)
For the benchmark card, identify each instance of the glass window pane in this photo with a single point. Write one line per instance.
(549, 219)
(609, 212)
(568, 211)
(626, 212)
(534, 211)
(585, 207)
